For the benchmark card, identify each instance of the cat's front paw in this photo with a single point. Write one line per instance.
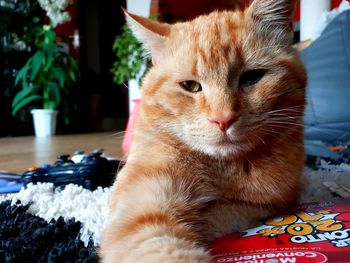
(162, 249)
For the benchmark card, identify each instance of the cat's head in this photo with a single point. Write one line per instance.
(224, 82)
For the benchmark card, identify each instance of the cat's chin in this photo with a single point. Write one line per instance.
(224, 146)
(223, 149)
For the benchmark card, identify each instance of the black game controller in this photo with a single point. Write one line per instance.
(92, 171)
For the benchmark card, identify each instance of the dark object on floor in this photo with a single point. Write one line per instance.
(26, 238)
(92, 171)
(10, 182)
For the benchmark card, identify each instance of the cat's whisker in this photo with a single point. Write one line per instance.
(266, 146)
(274, 131)
(117, 133)
(293, 108)
(278, 134)
(285, 117)
(125, 85)
(123, 160)
(256, 136)
(283, 120)
(287, 112)
(280, 116)
(120, 137)
(294, 114)
(284, 125)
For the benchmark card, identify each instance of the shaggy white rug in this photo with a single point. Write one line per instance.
(91, 207)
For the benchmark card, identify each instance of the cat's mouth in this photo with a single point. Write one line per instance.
(227, 140)
(228, 145)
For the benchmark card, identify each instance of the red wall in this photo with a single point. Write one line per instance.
(67, 29)
(188, 9)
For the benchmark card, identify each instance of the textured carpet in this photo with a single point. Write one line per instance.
(28, 238)
(44, 224)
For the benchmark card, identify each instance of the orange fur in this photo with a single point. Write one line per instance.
(186, 181)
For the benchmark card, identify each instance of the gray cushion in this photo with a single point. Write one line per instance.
(327, 62)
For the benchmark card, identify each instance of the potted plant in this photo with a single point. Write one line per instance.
(131, 63)
(46, 78)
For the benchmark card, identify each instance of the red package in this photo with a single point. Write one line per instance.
(316, 232)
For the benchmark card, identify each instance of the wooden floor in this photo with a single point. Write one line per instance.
(19, 153)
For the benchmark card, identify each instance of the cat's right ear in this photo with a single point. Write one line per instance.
(152, 34)
(273, 15)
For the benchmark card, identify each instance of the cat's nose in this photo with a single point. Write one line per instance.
(224, 122)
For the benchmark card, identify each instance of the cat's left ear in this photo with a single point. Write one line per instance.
(273, 15)
(152, 34)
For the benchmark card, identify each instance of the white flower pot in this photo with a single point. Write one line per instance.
(44, 122)
(134, 93)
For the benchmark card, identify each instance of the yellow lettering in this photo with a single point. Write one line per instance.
(327, 225)
(271, 231)
(307, 218)
(324, 212)
(282, 220)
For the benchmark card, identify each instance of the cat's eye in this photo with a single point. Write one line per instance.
(191, 86)
(251, 77)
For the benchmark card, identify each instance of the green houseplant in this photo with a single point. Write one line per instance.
(130, 62)
(48, 76)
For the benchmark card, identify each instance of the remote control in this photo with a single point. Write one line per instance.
(92, 171)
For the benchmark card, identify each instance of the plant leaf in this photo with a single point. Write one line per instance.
(23, 72)
(49, 37)
(25, 82)
(55, 93)
(25, 102)
(20, 74)
(38, 60)
(60, 76)
(50, 105)
(22, 94)
(72, 75)
(49, 60)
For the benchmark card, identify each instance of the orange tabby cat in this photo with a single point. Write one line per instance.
(218, 141)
